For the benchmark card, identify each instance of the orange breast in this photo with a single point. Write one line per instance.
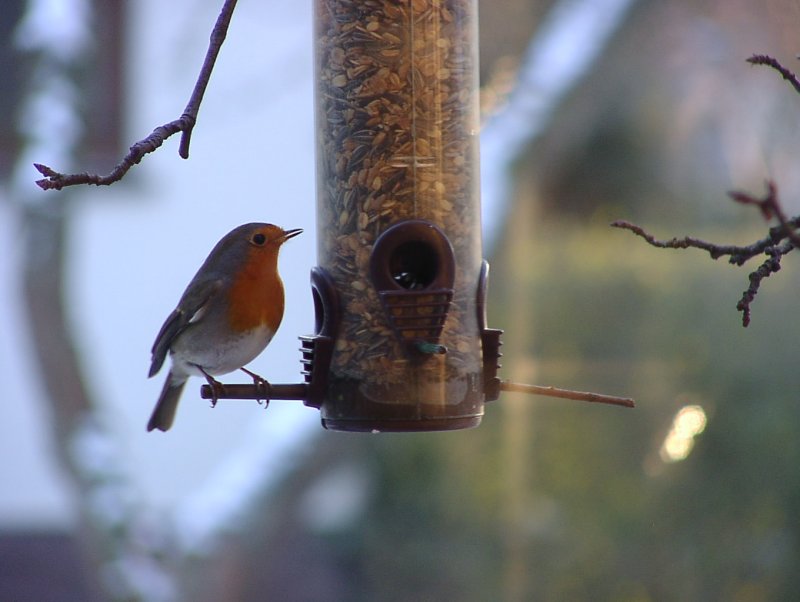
(256, 296)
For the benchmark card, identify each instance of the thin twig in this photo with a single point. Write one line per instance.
(738, 254)
(765, 59)
(780, 240)
(687, 242)
(771, 265)
(770, 207)
(217, 38)
(773, 245)
(54, 180)
(507, 385)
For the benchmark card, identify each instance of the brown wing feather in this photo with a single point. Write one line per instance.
(189, 310)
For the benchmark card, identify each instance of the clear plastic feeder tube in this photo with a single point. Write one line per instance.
(397, 141)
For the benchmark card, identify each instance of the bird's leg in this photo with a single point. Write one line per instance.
(262, 384)
(216, 386)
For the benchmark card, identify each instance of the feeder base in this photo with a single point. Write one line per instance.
(402, 426)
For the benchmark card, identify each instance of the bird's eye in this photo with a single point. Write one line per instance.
(258, 239)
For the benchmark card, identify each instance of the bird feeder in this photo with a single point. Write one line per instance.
(400, 340)
(398, 290)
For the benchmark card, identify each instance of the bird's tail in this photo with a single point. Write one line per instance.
(164, 412)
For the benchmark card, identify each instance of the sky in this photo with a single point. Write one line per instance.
(134, 247)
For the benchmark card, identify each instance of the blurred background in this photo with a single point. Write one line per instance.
(593, 111)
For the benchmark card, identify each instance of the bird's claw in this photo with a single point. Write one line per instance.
(216, 391)
(217, 388)
(262, 386)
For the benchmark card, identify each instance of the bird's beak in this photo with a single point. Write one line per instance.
(290, 234)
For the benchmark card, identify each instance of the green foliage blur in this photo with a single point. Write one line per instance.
(558, 500)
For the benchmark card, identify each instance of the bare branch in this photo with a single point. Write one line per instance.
(764, 59)
(766, 269)
(54, 180)
(687, 242)
(770, 207)
(780, 240)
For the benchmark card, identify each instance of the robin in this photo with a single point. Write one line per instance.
(226, 316)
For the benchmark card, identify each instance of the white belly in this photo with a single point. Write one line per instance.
(222, 358)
